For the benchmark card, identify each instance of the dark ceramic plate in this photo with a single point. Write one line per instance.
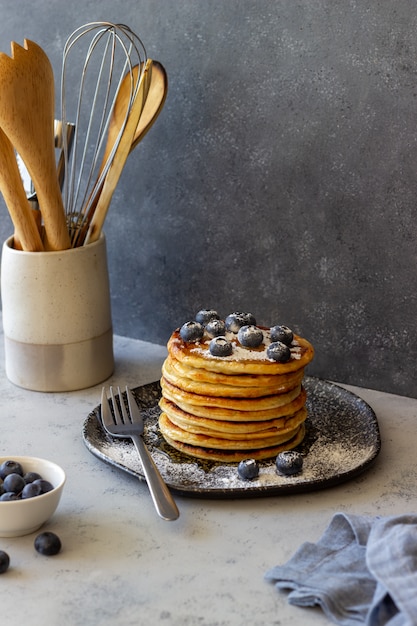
(342, 440)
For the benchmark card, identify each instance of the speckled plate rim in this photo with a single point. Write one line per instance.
(339, 424)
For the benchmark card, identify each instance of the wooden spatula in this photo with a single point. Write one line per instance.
(27, 236)
(27, 102)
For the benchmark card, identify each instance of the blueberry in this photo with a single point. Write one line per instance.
(248, 469)
(10, 467)
(7, 496)
(220, 346)
(29, 477)
(204, 316)
(250, 336)
(4, 561)
(236, 320)
(47, 543)
(31, 490)
(289, 462)
(44, 485)
(13, 482)
(214, 328)
(278, 351)
(191, 331)
(282, 333)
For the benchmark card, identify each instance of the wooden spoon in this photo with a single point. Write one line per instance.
(27, 236)
(27, 102)
(154, 102)
(158, 89)
(157, 94)
(121, 153)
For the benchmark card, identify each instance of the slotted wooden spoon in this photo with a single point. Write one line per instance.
(27, 236)
(27, 102)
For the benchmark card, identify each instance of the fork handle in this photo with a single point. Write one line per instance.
(161, 496)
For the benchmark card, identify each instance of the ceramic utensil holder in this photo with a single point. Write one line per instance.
(57, 317)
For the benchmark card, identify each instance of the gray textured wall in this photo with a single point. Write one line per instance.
(281, 177)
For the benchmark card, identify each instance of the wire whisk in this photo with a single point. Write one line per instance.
(97, 58)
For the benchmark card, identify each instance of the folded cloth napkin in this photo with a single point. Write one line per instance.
(363, 570)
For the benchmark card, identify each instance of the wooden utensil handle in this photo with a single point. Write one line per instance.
(27, 233)
(37, 216)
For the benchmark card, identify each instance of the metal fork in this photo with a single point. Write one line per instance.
(123, 423)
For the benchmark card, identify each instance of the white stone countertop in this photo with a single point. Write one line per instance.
(121, 565)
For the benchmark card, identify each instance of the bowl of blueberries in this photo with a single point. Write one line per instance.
(30, 491)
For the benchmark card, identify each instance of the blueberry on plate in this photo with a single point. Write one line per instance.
(236, 320)
(10, 467)
(278, 351)
(282, 333)
(220, 346)
(204, 316)
(289, 462)
(47, 543)
(248, 469)
(250, 336)
(191, 332)
(4, 561)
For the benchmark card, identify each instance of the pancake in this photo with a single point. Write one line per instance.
(242, 360)
(234, 456)
(281, 382)
(194, 424)
(246, 442)
(230, 390)
(237, 404)
(291, 403)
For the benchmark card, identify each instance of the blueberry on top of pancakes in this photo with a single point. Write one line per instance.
(278, 351)
(191, 331)
(204, 316)
(220, 346)
(250, 336)
(236, 320)
(215, 327)
(281, 333)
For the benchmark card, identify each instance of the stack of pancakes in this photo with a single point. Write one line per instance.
(235, 407)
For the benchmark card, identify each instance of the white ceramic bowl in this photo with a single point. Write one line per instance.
(21, 517)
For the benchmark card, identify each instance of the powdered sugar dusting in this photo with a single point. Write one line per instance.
(241, 353)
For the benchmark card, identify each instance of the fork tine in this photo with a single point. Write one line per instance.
(116, 410)
(106, 415)
(134, 411)
(125, 413)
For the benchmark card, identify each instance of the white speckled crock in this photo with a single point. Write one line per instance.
(57, 317)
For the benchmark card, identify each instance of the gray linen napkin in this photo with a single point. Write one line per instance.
(363, 570)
